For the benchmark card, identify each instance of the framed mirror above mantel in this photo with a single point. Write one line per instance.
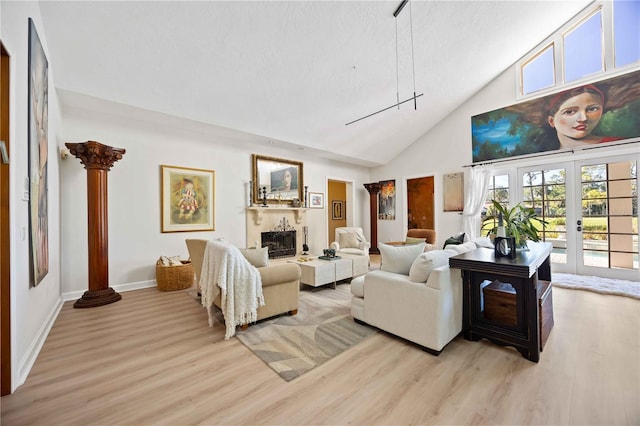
(277, 179)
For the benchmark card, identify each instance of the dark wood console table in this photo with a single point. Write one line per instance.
(481, 268)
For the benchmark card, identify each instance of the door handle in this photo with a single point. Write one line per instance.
(579, 228)
(579, 222)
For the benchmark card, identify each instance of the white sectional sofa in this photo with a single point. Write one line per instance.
(414, 295)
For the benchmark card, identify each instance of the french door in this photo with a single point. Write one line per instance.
(607, 223)
(591, 207)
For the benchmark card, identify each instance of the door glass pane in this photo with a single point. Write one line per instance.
(583, 49)
(610, 215)
(499, 191)
(545, 192)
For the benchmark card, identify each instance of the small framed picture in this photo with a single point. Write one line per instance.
(336, 211)
(188, 202)
(316, 200)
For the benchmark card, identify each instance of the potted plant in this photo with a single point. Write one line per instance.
(519, 222)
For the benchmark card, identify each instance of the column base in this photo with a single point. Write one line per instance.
(91, 299)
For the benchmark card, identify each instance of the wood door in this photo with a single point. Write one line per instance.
(336, 207)
(5, 255)
(420, 207)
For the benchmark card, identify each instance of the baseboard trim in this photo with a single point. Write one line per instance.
(75, 295)
(24, 367)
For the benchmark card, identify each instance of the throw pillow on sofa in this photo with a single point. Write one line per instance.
(348, 240)
(398, 259)
(258, 257)
(413, 240)
(427, 262)
(483, 242)
(456, 239)
(462, 248)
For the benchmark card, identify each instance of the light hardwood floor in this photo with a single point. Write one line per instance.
(152, 359)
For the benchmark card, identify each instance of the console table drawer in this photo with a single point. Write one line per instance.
(500, 306)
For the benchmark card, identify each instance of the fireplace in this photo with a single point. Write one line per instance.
(280, 243)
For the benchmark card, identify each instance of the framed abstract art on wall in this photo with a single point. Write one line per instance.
(38, 159)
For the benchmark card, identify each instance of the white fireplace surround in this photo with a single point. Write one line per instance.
(265, 219)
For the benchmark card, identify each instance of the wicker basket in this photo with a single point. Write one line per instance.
(171, 278)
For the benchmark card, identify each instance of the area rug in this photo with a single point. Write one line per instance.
(322, 329)
(597, 284)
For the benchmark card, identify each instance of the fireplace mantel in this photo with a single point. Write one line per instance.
(258, 212)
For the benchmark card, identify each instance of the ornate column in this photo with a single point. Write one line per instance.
(374, 189)
(97, 159)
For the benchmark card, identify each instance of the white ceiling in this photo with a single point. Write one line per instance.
(294, 72)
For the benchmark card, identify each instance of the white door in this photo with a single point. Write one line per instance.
(607, 222)
(591, 207)
(549, 191)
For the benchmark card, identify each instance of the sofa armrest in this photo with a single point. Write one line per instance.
(444, 277)
(279, 273)
(335, 245)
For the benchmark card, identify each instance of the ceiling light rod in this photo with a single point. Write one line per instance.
(399, 9)
(413, 98)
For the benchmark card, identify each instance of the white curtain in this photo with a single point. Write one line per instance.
(475, 193)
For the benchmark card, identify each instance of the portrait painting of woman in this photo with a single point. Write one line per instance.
(589, 114)
(284, 180)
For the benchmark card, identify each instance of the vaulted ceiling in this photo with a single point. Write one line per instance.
(294, 72)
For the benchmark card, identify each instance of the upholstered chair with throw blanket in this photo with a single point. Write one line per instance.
(280, 282)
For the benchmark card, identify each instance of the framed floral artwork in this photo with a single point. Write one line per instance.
(188, 199)
(316, 200)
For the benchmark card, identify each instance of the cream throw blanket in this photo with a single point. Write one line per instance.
(227, 272)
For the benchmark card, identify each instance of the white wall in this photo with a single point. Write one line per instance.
(135, 237)
(444, 149)
(33, 309)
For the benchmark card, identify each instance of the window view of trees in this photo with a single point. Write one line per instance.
(610, 214)
(499, 191)
(545, 192)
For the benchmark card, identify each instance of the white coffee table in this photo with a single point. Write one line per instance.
(360, 263)
(317, 272)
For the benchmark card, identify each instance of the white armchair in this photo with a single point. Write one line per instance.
(351, 240)
(350, 243)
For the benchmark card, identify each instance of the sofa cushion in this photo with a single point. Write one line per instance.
(483, 242)
(462, 248)
(258, 257)
(427, 262)
(348, 240)
(429, 247)
(399, 259)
